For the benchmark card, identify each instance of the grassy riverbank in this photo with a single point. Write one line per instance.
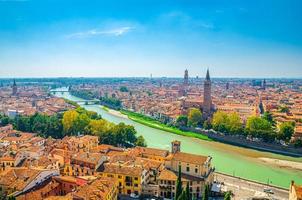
(147, 121)
(105, 108)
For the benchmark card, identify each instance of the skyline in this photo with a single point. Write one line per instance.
(133, 39)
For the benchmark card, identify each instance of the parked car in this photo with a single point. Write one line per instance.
(134, 196)
(269, 191)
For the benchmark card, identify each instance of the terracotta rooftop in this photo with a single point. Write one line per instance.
(189, 158)
(98, 189)
(120, 169)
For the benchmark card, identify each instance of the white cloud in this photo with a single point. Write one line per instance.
(95, 32)
(13, 0)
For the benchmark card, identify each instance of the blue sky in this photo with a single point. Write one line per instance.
(49, 38)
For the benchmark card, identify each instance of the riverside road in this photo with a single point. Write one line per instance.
(245, 189)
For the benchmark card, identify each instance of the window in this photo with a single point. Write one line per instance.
(135, 178)
(119, 177)
(196, 170)
(135, 185)
(188, 169)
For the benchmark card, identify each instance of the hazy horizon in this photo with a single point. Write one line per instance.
(77, 38)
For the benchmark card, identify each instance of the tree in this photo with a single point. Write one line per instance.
(39, 124)
(178, 184)
(187, 192)
(287, 129)
(269, 117)
(22, 123)
(284, 109)
(182, 121)
(55, 127)
(194, 117)
(80, 123)
(205, 193)
(207, 125)
(4, 120)
(298, 143)
(141, 141)
(259, 127)
(99, 127)
(182, 196)
(124, 89)
(227, 196)
(234, 123)
(220, 121)
(69, 119)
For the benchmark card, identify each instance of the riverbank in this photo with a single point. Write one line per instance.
(147, 121)
(282, 163)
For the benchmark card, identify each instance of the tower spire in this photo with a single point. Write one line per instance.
(208, 75)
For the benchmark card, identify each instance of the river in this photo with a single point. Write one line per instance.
(233, 160)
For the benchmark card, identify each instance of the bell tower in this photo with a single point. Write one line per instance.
(207, 98)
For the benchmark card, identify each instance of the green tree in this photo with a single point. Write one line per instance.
(194, 117)
(69, 119)
(205, 193)
(182, 121)
(99, 127)
(80, 123)
(228, 196)
(284, 109)
(11, 198)
(22, 123)
(298, 143)
(55, 127)
(286, 131)
(207, 125)
(4, 120)
(234, 123)
(124, 89)
(178, 184)
(269, 117)
(187, 192)
(259, 127)
(141, 141)
(220, 122)
(39, 124)
(182, 196)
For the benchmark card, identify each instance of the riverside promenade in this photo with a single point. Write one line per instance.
(247, 189)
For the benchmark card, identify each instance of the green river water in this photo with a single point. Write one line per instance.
(233, 160)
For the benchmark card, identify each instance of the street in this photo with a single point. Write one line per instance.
(244, 189)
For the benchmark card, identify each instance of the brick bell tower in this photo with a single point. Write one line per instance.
(207, 98)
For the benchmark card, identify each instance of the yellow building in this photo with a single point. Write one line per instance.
(6, 162)
(84, 164)
(195, 169)
(130, 178)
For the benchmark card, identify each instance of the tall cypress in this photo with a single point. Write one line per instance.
(205, 194)
(182, 196)
(188, 195)
(178, 184)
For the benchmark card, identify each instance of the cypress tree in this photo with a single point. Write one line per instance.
(205, 194)
(227, 196)
(188, 195)
(178, 184)
(182, 196)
